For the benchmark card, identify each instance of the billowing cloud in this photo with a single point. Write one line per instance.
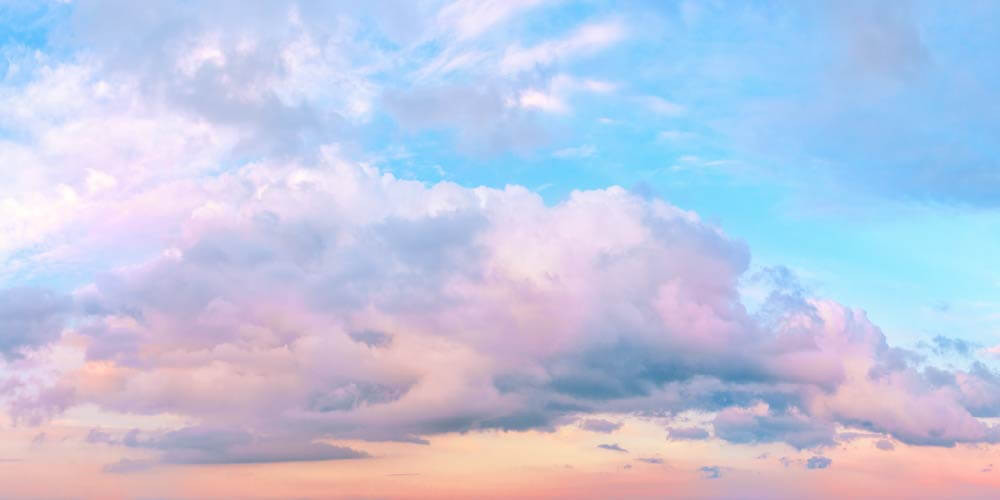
(238, 269)
(332, 300)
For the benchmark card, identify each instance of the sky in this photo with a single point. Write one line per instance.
(498, 249)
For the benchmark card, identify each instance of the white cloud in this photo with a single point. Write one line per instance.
(535, 99)
(585, 40)
(471, 18)
(661, 106)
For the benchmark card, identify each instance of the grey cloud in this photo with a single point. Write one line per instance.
(372, 338)
(204, 445)
(128, 466)
(95, 436)
(612, 447)
(686, 433)
(351, 395)
(30, 318)
(711, 471)
(818, 462)
(885, 445)
(651, 460)
(600, 425)
(946, 345)
(798, 431)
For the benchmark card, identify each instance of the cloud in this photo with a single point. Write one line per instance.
(884, 445)
(612, 447)
(741, 426)
(711, 471)
(600, 425)
(371, 338)
(29, 318)
(204, 445)
(285, 278)
(128, 466)
(686, 433)
(651, 460)
(818, 463)
(946, 345)
(661, 106)
(584, 40)
(98, 436)
(279, 278)
(469, 18)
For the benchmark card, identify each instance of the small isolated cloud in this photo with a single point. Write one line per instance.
(884, 444)
(988, 468)
(651, 460)
(127, 466)
(711, 472)
(612, 447)
(686, 433)
(818, 463)
(577, 152)
(600, 425)
(660, 106)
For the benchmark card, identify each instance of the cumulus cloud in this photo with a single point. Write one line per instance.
(334, 300)
(299, 297)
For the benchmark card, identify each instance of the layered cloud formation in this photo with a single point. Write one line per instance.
(330, 300)
(191, 232)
